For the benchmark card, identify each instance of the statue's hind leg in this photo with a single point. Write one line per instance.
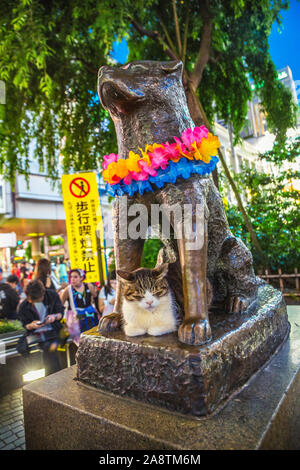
(235, 277)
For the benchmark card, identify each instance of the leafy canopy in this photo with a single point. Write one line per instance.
(273, 207)
(50, 52)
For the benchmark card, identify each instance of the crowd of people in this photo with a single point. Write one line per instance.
(53, 302)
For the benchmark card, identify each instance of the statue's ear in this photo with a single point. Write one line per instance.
(174, 66)
(125, 276)
(161, 271)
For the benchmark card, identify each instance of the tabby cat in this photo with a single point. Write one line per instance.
(149, 305)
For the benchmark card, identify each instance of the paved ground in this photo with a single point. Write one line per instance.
(12, 436)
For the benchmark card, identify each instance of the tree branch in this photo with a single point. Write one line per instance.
(205, 45)
(89, 67)
(177, 28)
(185, 35)
(214, 57)
(156, 36)
(232, 184)
(170, 42)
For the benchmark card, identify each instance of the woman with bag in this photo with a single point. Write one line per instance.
(81, 315)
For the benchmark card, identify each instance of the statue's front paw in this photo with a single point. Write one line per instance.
(195, 331)
(236, 304)
(111, 322)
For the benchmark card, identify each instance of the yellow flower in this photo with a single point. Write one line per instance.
(150, 148)
(115, 171)
(146, 157)
(121, 169)
(209, 147)
(145, 153)
(109, 174)
(197, 155)
(132, 162)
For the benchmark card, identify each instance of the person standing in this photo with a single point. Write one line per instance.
(9, 298)
(40, 314)
(16, 270)
(62, 270)
(81, 295)
(44, 273)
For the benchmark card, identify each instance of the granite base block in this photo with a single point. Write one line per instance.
(194, 380)
(62, 413)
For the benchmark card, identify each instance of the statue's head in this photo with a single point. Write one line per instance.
(147, 84)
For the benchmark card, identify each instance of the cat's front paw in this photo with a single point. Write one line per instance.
(111, 322)
(134, 331)
(194, 331)
(160, 331)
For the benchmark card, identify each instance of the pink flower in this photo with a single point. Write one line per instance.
(182, 148)
(197, 134)
(200, 133)
(159, 158)
(147, 168)
(140, 176)
(128, 178)
(172, 151)
(112, 157)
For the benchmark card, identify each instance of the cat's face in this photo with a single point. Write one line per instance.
(145, 287)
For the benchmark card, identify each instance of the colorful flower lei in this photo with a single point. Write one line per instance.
(194, 152)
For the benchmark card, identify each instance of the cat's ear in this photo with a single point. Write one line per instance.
(161, 271)
(125, 276)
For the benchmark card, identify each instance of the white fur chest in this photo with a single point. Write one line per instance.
(158, 321)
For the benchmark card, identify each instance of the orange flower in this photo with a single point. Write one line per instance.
(121, 170)
(198, 155)
(109, 175)
(208, 147)
(132, 162)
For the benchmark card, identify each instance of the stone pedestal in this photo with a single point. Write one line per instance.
(62, 413)
(161, 371)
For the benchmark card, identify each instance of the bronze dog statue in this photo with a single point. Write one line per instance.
(147, 103)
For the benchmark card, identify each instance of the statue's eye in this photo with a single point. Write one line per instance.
(138, 68)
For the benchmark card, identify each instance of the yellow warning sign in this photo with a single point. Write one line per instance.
(84, 225)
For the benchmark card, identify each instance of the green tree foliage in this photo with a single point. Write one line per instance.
(224, 46)
(273, 207)
(151, 249)
(50, 52)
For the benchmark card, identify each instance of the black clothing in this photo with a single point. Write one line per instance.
(9, 300)
(28, 313)
(44, 281)
(82, 300)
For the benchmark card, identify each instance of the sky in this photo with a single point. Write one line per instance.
(284, 43)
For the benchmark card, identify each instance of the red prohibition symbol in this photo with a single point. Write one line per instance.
(79, 187)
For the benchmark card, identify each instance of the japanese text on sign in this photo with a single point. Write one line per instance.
(84, 222)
